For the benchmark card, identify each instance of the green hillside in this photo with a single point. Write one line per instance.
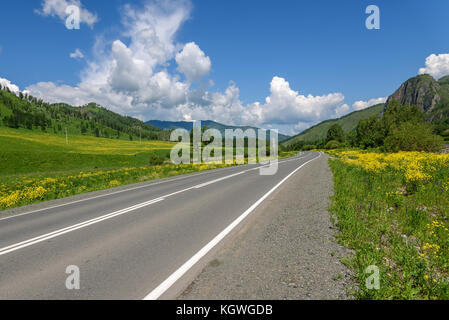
(24, 111)
(348, 123)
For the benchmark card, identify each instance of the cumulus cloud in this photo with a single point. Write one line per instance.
(130, 76)
(436, 65)
(77, 54)
(57, 8)
(342, 110)
(360, 105)
(124, 77)
(6, 83)
(192, 62)
(286, 106)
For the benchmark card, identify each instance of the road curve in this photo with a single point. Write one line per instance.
(133, 244)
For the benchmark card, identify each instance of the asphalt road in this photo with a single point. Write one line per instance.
(142, 242)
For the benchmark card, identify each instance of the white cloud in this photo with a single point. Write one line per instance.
(192, 62)
(436, 65)
(77, 54)
(342, 110)
(130, 76)
(131, 79)
(57, 8)
(286, 106)
(6, 83)
(360, 105)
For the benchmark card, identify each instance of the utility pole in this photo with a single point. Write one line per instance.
(66, 136)
(140, 130)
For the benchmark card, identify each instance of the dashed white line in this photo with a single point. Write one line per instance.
(130, 189)
(57, 233)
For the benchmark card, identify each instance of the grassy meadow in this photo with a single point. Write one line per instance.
(393, 210)
(38, 166)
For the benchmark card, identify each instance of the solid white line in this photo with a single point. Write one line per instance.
(164, 286)
(57, 233)
(62, 231)
(134, 188)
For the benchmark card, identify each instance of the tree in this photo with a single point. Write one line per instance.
(335, 132)
(395, 114)
(368, 133)
(351, 138)
(410, 136)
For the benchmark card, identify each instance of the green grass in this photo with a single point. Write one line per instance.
(388, 227)
(38, 166)
(24, 152)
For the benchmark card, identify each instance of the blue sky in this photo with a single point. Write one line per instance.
(313, 59)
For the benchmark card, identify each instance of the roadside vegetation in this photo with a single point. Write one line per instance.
(391, 203)
(393, 210)
(19, 190)
(38, 166)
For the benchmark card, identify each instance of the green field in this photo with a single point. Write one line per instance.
(24, 152)
(38, 166)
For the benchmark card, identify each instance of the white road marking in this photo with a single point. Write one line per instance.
(57, 233)
(164, 286)
(62, 231)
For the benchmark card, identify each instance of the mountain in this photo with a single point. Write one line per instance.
(28, 112)
(430, 95)
(169, 125)
(347, 122)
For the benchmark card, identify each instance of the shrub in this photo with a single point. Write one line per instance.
(308, 147)
(410, 136)
(445, 133)
(333, 144)
(156, 159)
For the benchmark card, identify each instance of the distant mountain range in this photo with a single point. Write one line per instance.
(430, 95)
(169, 125)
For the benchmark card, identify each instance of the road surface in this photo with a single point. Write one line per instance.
(143, 242)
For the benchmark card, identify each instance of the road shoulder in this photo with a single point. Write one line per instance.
(286, 250)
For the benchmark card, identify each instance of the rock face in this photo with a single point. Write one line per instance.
(422, 91)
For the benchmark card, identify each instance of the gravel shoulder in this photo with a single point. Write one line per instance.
(286, 250)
